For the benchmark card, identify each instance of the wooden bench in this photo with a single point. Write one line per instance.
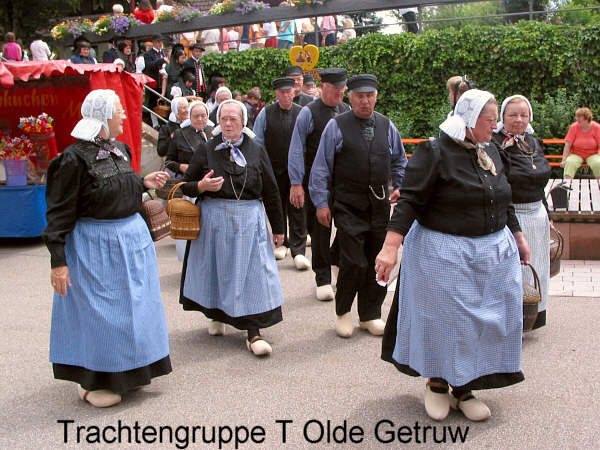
(579, 223)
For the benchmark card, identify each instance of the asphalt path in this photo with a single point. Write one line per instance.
(327, 391)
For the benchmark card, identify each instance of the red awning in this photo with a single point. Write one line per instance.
(24, 71)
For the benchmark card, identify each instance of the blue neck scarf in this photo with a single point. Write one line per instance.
(234, 152)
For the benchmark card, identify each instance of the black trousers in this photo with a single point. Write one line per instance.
(295, 238)
(320, 237)
(357, 254)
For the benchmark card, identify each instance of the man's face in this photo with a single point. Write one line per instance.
(157, 44)
(363, 103)
(197, 53)
(285, 97)
(298, 82)
(332, 95)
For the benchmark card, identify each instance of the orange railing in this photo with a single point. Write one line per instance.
(550, 141)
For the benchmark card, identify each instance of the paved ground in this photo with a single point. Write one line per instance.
(312, 375)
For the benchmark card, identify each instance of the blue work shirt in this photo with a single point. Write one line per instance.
(331, 143)
(303, 127)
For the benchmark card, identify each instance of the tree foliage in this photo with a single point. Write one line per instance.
(459, 10)
(24, 17)
(514, 6)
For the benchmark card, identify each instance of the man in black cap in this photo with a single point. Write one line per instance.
(273, 128)
(305, 140)
(359, 152)
(296, 74)
(309, 86)
(194, 63)
(154, 61)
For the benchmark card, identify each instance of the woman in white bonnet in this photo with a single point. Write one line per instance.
(456, 318)
(229, 271)
(528, 172)
(108, 331)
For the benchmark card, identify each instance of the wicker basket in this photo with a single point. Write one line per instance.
(556, 250)
(185, 216)
(532, 295)
(159, 223)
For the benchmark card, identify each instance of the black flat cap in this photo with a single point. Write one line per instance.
(158, 37)
(197, 45)
(334, 75)
(283, 83)
(309, 79)
(363, 83)
(82, 42)
(292, 70)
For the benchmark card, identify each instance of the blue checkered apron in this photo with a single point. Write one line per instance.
(112, 318)
(534, 222)
(231, 266)
(460, 305)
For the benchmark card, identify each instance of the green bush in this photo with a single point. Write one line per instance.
(554, 64)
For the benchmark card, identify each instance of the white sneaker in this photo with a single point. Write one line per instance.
(325, 293)
(102, 398)
(258, 346)
(280, 252)
(301, 262)
(343, 325)
(376, 326)
(308, 240)
(216, 328)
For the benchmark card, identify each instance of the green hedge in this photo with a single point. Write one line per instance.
(550, 64)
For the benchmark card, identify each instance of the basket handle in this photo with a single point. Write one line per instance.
(173, 189)
(536, 280)
(561, 242)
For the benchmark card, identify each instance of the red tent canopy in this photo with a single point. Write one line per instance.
(58, 89)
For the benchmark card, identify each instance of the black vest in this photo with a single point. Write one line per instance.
(321, 114)
(303, 99)
(278, 136)
(361, 175)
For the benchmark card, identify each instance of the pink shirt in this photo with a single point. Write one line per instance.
(327, 25)
(584, 143)
(12, 51)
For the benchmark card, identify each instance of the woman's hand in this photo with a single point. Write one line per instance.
(523, 246)
(562, 163)
(208, 183)
(59, 278)
(388, 256)
(278, 240)
(183, 167)
(156, 180)
(394, 196)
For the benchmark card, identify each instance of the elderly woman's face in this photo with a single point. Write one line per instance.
(199, 117)
(115, 125)
(231, 121)
(486, 123)
(224, 95)
(182, 111)
(516, 117)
